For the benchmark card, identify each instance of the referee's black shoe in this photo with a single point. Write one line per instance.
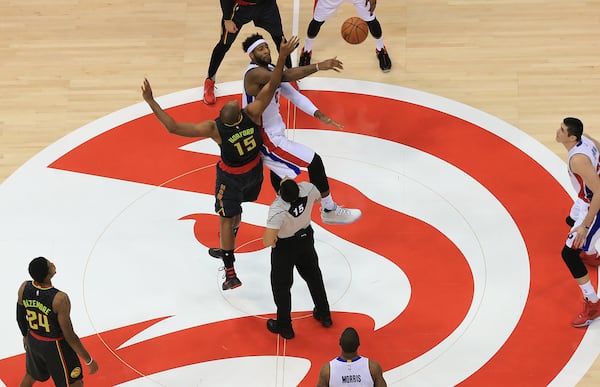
(325, 319)
(287, 332)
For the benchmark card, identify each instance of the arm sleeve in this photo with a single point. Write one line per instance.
(298, 99)
(22, 319)
(227, 9)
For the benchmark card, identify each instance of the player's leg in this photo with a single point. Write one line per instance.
(228, 205)
(362, 9)
(269, 18)
(242, 15)
(591, 303)
(63, 364)
(216, 58)
(331, 212)
(35, 366)
(287, 159)
(27, 381)
(323, 10)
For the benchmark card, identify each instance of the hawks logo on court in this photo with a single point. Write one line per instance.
(453, 275)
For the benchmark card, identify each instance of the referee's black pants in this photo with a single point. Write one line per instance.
(298, 251)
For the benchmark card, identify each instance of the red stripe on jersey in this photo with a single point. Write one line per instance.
(282, 153)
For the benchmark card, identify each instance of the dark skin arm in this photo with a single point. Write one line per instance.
(206, 128)
(256, 78)
(20, 302)
(324, 376)
(62, 307)
(372, 5)
(296, 73)
(377, 374)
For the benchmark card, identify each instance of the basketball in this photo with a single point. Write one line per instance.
(355, 30)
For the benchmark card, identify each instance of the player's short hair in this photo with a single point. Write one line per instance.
(574, 127)
(230, 113)
(289, 190)
(349, 340)
(39, 269)
(249, 40)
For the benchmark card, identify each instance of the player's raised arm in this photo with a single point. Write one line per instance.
(264, 96)
(206, 128)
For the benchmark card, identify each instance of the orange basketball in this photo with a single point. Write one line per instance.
(355, 30)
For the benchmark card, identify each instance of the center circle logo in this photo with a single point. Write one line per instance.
(447, 277)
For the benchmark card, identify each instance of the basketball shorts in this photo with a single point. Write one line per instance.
(231, 190)
(324, 9)
(56, 359)
(285, 157)
(265, 15)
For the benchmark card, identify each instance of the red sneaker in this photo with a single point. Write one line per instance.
(209, 91)
(591, 311)
(590, 259)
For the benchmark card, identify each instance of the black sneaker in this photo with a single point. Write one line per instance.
(325, 319)
(231, 279)
(385, 63)
(304, 58)
(287, 332)
(215, 252)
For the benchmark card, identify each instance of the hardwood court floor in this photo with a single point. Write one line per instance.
(67, 63)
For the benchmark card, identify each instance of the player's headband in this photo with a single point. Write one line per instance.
(254, 45)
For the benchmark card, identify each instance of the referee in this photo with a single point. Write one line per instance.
(291, 237)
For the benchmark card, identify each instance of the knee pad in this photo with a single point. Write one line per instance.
(313, 28)
(574, 262)
(316, 173)
(375, 28)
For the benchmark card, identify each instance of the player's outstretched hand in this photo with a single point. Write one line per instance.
(147, 91)
(327, 120)
(288, 46)
(331, 64)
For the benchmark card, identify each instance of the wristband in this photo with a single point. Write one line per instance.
(89, 362)
(317, 66)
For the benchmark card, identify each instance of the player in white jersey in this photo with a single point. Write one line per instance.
(324, 9)
(283, 156)
(290, 237)
(583, 170)
(589, 253)
(350, 369)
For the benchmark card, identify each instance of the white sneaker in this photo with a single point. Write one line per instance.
(340, 215)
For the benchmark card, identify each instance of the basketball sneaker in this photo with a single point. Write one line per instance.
(215, 252)
(287, 332)
(340, 215)
(590, 259)
(231, 279)
(591, 311)
(385, 63)
(304, 58)
(209, 91)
